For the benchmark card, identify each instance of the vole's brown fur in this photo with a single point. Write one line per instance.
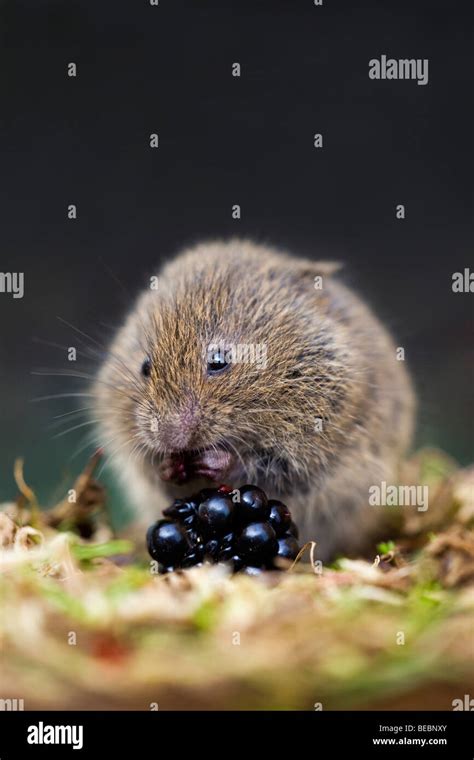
(328, 359)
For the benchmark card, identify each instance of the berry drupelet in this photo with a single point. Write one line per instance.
(241, 527)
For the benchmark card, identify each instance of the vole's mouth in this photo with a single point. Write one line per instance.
(181, 466)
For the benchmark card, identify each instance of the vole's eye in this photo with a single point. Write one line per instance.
(146, 367)
(216, 362)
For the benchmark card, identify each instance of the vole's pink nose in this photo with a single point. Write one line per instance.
(178, 432)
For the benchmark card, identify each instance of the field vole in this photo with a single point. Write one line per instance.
(313, 404)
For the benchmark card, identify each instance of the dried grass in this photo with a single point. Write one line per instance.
(86, 625)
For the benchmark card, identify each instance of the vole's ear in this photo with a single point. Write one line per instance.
(314, 268)
(302, 270)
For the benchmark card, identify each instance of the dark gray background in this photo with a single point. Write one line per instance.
(223, 141)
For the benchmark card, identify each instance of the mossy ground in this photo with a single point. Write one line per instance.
(86, 625)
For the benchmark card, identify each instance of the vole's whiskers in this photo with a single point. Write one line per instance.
(62, 395)
(85, 376)
(105, 352)
(75, 427)
(108, 458)
(73, 411)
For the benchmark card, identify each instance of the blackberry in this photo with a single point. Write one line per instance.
(205, 493)
(253, 504)
(293, 530)
(288, 547)
(167, 542)
(193, 557)
(215, 514)
(237, 563)
(225, 554)
(181, 510)
(212, 548)
(251, 535)
(280, 517)
(257, 543)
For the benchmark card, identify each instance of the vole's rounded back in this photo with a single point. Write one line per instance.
(309, 400)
